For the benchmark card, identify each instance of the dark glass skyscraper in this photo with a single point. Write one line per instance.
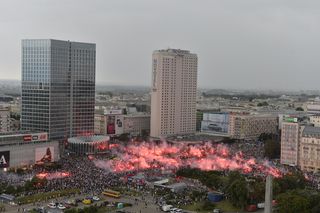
(58, 87)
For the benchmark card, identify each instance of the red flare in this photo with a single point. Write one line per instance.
(164, 156)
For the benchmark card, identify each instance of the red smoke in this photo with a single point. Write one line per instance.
(164, 156)
(54, 175)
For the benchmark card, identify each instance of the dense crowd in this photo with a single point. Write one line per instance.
(248, 149)
(84, 176)
(89, 179)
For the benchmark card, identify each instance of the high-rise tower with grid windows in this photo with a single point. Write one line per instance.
(173, 92)
(58, 87)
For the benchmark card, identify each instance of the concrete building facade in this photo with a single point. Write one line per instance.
(117, 124)
(315, 120)
(250, 127)
(309, 149)
(20, 149)
(136, 124)
(290, 137)
(173, 94)
(4, 119)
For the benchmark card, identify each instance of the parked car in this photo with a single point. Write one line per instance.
(61, 207)
(86, 201)
(95, 198)
(52, 205)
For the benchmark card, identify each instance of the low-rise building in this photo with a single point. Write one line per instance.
(309, 159)
(315, 120)
(313, 108)
(290, 137)
(300, 145)
(83, 145)
(136, 124)
(21, 149)
(4, 119)
(100, 124)
(116, 123)
(250, 127)
(14, 125)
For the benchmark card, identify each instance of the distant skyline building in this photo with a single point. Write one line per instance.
(173, 93)
(58, 87)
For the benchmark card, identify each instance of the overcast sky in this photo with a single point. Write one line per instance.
(245, 44)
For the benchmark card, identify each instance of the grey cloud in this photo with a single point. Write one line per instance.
(240, 43)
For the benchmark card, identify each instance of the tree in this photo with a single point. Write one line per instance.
(271, 149)
(299, 109)
(316, 209)
(257, 192)
(207, 206)
(124, 137)
(264, 103)
(290, 182)
(10, 189)
(266, 136)
(144, 134)
(292, 202)
(238, 193)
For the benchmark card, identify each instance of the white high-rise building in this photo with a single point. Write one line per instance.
(173, 95)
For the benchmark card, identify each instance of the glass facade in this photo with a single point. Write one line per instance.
(58, 87)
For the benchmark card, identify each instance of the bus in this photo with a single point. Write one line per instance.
(111, 193)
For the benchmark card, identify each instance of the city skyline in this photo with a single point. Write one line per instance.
(238, 44)
(177, 106)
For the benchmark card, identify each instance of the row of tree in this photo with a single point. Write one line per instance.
(241, 190)
(28, 186)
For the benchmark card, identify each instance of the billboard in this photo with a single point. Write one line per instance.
(215, 123)
(114, 124)
(4, 159)
(119, 124)
(44, 155)
(111, 128)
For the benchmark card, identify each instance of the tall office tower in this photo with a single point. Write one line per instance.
(58, 87)
(173, 95)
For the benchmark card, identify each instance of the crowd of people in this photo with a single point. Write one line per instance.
(84, 175)
(253, 149)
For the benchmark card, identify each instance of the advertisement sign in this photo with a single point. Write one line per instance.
(154, 75)
(114, 112)
(292, 120)
(44, 155)
(35, 137)
(111, 128)
(119, 124)
(215, 122)
(27, 138)
(5, 159)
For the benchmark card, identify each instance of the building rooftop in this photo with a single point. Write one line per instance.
(19, 133)
(89, 139)
(178, 51)
(311, 131)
